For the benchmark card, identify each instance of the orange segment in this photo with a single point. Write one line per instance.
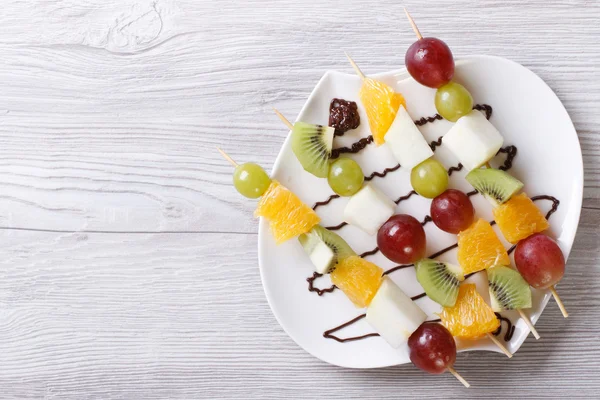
(471, 317)
(519, 218)
(381, 104)
(359, 279)
(479, 248)
(288, 216)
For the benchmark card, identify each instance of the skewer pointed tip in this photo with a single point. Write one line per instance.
(284, 119)
(227, 157)
(356, 69)
(412, 23)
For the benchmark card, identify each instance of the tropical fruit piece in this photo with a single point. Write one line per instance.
(324, 248)
(381, 104)
(368, 209)
(520, 218)
(288, 216)
(479, 248)
(508, 289)
(496, 185)
(440, 280)
(312, 146)
(359, 279)
(471, 317)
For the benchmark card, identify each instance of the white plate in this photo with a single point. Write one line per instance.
(527, 113)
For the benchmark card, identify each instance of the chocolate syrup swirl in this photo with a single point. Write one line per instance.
(405, 197)
(554, 200)
(452, 169)
(369, 253)
(353, 149)
(329, 334)
(382, 174)
(325, 202)
(511, 153)
(336, 227)
(436, 143)
(510, 329)
(312, 288)
(426, 220)
(364, 142)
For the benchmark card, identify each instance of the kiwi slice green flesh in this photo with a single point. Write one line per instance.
(496, 185)
(440, 280)
(508, 289)
(312, 241)
(312, 146)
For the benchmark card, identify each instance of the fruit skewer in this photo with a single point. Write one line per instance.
(454, 106)
(393, 314)
(428, 176)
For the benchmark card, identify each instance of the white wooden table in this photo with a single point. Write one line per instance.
(128, 263)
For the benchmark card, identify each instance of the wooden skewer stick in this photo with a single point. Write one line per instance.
(529, 324)
(226, 156)
(414, 26)
(356, 69)
(563, 310)
(457, 376)
(284, 119)
(500, 345)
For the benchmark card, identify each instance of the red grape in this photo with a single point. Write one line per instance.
(432, 348)
(540, 261)
(402, 239)
(429, 61)
(452, 211)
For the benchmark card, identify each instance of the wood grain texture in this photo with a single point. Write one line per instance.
(128, 268)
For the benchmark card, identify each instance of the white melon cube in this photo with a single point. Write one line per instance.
(322, 257)
(473, 140)
(368, 209)
(393, 314)
(406, 141)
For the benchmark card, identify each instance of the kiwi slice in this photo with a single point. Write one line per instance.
(496, 185)
(508, 289)
(440, 280)
(325, 248)
(312, 146)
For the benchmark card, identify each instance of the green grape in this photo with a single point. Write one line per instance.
(251, 180)
(429, 179)
(345, 177)
(452, 101)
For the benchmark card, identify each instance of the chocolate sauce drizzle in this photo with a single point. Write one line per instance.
(312, 288)
(510, 328)
(405, 197)
(436, 143)
(364, 142)
(382, 174)
(452, 169)
(353, 149)
(329, 334)
(336, 227)
(325, 202)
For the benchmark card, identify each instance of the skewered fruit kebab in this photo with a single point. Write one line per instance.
(393, 314)
(288, 216)
(428, 176)
(474, 141)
